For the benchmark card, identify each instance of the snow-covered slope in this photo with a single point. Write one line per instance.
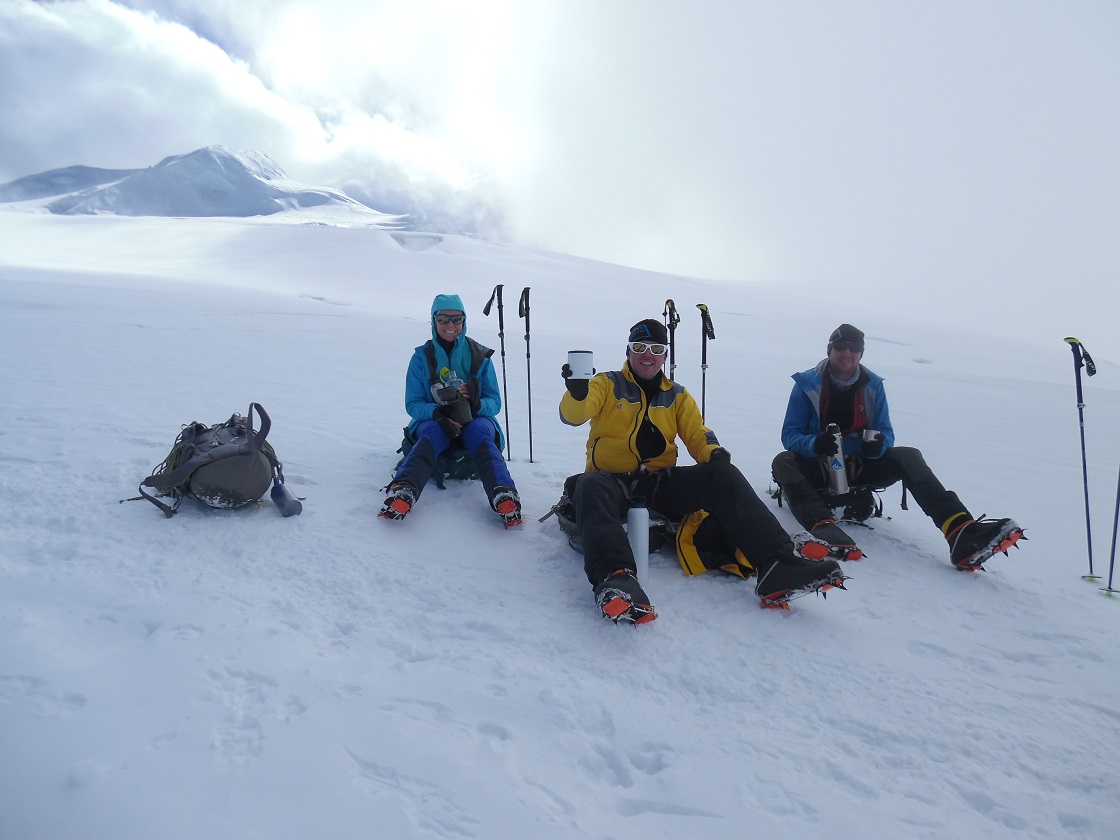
(240, 675)
(213, 181)
(58, 182)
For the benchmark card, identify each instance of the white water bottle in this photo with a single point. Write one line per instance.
(637, 532)
(837, 471)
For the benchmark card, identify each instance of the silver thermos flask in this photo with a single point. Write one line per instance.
(837, 472)
(637, 532)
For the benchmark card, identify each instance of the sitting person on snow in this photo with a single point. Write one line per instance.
(636, 415)
(451, 392)
(840, 390)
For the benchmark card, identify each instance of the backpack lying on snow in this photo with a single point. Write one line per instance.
(227, 465)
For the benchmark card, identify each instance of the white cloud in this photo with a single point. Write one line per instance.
(107, 85)
(955, 155)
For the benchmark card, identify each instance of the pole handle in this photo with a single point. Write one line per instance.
(523, 312)
(672, 318)
(497, 293)
(706, 321)
(1081, 356)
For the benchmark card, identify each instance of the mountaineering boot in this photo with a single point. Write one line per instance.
(780, 581)
(622, 599)
(862, 505)
(508, 505)
(975, 541)
(401, 498)
(830, 540)
(809, 548)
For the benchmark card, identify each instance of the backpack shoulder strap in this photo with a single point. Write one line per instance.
(479, 353)
(430, 355)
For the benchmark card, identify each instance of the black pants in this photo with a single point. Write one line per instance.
(802, 479)
(601, 500)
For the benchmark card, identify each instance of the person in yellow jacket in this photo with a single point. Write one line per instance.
(637, 414)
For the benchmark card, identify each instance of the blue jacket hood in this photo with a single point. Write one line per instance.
(448, 302)
(458, 360)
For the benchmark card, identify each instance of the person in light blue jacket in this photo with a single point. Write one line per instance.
(451, 394)
(841, 391)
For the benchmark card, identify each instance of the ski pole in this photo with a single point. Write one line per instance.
(523, 311)
(1081, 358)
(1108, 590)
(497, 293)
(671, 320)
(706, 332)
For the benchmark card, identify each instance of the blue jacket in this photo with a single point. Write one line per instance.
(419, 401)
(803, 415)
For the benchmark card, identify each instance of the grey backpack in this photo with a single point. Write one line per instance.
(227, 465)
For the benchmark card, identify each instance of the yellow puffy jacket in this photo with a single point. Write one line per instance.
(616, 404)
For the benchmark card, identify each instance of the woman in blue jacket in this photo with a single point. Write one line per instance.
(451, 393)
(841, 390)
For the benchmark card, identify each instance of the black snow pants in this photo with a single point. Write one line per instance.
(601, 500)
(802, 479)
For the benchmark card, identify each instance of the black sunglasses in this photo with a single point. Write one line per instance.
(444, 320)
(853, 346)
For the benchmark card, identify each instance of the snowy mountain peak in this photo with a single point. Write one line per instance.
(221, 158)
(211, 181)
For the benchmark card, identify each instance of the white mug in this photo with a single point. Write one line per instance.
(582, 363)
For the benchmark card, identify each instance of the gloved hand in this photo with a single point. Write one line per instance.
(874, 448)
(576, 387)
(473, 398)
(825, 444)
(442, 415)
(719, 456)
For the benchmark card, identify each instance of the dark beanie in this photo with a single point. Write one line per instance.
(649, 331)
(846, 332)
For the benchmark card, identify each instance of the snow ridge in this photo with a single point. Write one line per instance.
(212, 181)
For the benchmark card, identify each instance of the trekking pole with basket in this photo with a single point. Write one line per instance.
(497, 293)
(672, 318)
(1081, 358)
(523, 312)
(707, 332)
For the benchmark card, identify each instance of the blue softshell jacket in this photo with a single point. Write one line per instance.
(419, 401)
(803, 414)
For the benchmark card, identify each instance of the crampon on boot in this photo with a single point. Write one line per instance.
(401, 498)
(622, 599)
(827, 539)
(508, 505)
(786, 580)
(974, 542)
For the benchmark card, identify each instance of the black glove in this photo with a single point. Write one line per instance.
(874, 448)
(475, 401)
(825, 444)
(719, 456)
(576, 387)
(442, 415)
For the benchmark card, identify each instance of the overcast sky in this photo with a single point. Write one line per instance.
(938, 149)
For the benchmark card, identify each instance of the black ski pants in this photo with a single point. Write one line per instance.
(802, 479)
(601, 500)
